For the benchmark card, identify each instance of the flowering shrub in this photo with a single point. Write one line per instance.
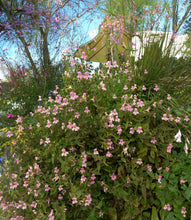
(101, 147)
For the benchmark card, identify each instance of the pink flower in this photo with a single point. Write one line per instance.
(140, 103)
(9, 134)
(108, 154)
(86, 110)
(159, 179)
(182, 181)
(74, 200)
(105, 189)
(139, 130)
(178, 120)
(108, 64)
(114, 96)
(88, 200)
(119, 130)
(35, 193)
(103, 86)
(63, 126)
(96, 151)
(72, 63)
(100, 214)
(165, 118)
(154, 104)
(149, 168)
(183, 211)
(84, 55)
(169, 97)
(70, 125)
(139, 161)
(75, 127)
(135, 112)
(34, 204)
(169, 148)
(51, 215)
(47, 141)
(19, 119)
(48, 124)
(132, 131)
(64, 152)
(56, 170)
(133, 87)
(60, 196)
(167, 207)
(41, 141)
(171, 118)
(186, 118)
(121, 142)
(55, 121)
(83, 179)
(113, 177)
(73, 96)
(38, 184)
(153, 140)
(156, 88)
(145, 72)
(80, 76)
(47, 188)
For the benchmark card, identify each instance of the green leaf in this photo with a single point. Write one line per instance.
(144, 191)
(154, 214)
(188, 193)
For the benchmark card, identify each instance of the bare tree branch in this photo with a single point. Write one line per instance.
(183, 18)
(74, 19)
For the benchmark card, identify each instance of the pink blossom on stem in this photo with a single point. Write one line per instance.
(64, 152)
(113, 177)
(139, 161)
(74, 200)
(186, 118)
(86, 110)
(156, 88)
(139, 130)
(169, 148)
(167, 207)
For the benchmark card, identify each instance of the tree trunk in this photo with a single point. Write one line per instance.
(35, 71)
(46, 55)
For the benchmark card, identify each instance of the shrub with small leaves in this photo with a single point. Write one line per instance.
(103, 146)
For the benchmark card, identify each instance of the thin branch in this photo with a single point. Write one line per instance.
(61, 6)
(174, 19)
(74, 19)
(183, 18)
(177, 27)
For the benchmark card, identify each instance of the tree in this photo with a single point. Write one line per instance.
(178, 19)
(45, 23)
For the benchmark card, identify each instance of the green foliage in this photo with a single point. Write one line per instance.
(19, 94)
(171, 73)
(103, 145)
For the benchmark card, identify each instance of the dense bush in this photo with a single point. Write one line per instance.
(19, 93)
(102, 146)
